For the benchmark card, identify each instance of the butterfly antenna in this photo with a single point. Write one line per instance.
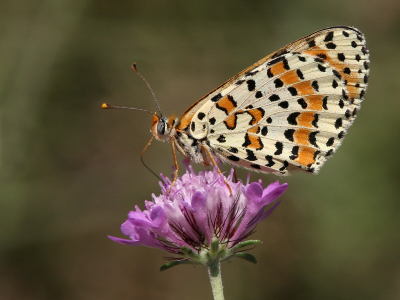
(107, 106)
(134, 68)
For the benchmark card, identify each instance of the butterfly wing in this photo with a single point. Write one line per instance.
(292, 108)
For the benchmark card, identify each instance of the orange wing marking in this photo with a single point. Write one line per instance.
(301, 136)
(230, 121)
(314, 102)
(290, 77)
(304, 88)
(254, 129)
(305, 156)
(278, 68)
(305, 119)
(257, 115)
(227, 104)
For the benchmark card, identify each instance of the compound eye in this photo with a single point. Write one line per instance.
(161, 127)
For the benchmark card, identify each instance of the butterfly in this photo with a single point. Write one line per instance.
(288, 111)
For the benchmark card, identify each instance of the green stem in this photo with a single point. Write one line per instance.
(214, 272)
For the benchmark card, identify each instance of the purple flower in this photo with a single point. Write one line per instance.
(200, 215)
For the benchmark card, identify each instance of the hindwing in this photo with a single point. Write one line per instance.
(289, 110)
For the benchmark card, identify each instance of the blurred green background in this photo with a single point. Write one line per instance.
(70, 172)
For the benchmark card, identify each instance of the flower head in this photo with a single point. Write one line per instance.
(199, 216)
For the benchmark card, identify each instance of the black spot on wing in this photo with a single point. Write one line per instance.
(264, 131)
(337, 74)
(292, 118)
(221, 139)
(292, 90)
(331, 46)
(364, 50)
(216, 97)
(233, 149)
(315, 121)
(275, 61)
(329, 37)
(295, 153)
(250, 155)
(284, 104)
(321, 68)
(300, 74)
(286, 64)
(279, 148)
(269, 73)
(338, 123)
(285, 165)
(201, 115)
(312, 138)
(233, 158)
(330, 142)
(289, 134)
(250, 73)
(315, 85)
(311, 43)
(274, 97)
(247, 141)
(278, 83)
(269, 160)
(251, 85)
(302, 103)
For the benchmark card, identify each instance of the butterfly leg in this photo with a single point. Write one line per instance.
(172, 141)
(144, 164)
(215, 165)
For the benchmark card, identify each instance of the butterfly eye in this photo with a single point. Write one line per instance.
(162, 127)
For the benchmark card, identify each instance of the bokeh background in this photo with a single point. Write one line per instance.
(70, 172)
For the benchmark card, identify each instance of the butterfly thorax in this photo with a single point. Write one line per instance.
(190, 139)
(170, 129)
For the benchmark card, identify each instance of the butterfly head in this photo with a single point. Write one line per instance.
(162, 127)
(159, 127)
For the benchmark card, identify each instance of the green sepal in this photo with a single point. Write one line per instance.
(246, 256)
(189, 252)
(176, 263)
(214, 246)
(245, 244)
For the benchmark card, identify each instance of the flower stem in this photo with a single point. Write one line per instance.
(214, 272)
